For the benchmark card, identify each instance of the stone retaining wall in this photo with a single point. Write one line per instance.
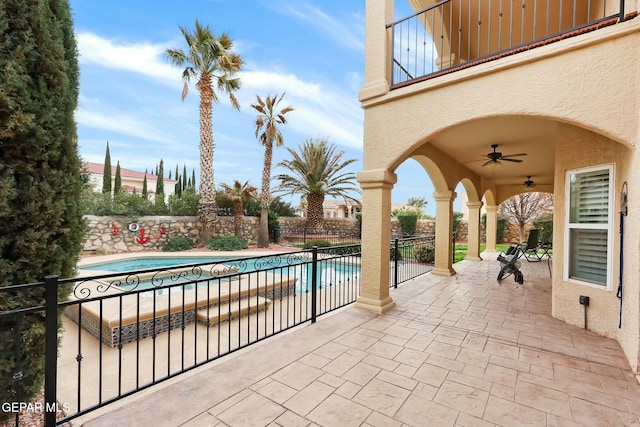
(106, 234)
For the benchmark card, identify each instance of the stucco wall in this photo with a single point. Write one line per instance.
(578, 148)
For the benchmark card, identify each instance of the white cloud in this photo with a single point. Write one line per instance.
(333, 112)
(122, 123)
(349, 34)
(142, 58)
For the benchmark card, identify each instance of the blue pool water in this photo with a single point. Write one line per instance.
(133, 264)
(327, 274)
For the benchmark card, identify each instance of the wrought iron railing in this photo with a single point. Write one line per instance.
(455, 33)
(124, 332)
(410, 257)
(301, 235)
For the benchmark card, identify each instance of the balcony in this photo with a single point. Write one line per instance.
(456, 34)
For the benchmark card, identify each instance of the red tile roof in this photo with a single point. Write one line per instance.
(98, 169)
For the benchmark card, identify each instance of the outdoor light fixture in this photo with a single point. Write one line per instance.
(529, 183)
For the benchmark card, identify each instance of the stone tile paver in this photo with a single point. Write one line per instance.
(338, 411)
(254, 410)
(456, 351)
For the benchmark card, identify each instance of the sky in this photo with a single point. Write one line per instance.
(311, 50)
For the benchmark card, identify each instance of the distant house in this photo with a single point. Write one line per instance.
(340, 209)
(130, 180)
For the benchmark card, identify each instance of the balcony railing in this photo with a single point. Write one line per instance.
(454, 34)
(125, 332)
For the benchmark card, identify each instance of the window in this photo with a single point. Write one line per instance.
(589, 225)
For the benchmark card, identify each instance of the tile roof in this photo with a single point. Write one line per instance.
(98, 169)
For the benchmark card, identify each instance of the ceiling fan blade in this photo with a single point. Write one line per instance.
(512, 160)
(514, 155)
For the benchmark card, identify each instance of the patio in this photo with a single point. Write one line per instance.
(456, 351)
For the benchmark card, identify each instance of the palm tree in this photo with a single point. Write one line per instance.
(239, 193)
(209, 60)
(315, 172)
(268, 133)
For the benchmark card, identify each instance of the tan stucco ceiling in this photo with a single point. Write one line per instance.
(470, 142)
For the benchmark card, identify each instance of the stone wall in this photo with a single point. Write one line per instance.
(101, 238)
(106, 234)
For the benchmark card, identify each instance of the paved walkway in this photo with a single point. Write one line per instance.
(456, 351)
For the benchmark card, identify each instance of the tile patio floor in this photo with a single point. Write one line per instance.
(456, 351)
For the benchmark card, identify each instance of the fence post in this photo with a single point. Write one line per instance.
(50, 349)
(453, 249)
(314, 284)
(396, 252)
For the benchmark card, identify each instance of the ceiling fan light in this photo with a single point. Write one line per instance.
(529, 183)
(494, 164)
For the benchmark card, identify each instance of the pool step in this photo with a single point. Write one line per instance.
(224, 312)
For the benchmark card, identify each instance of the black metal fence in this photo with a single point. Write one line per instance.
(301, 235)
(453, 33)
(410, 257)
(124, 332)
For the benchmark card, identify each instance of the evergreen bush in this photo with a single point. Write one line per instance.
(41, 178)
(227, 243)
(185, 204)
(424, 252)
(408, 222)
(501, 226)
(179, 243)
(321, 243)
(544, 224)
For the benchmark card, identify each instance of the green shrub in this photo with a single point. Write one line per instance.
(185, 204)
(424, 252)
(344, 249)
(180, 243)
(321, 243)
(544, 224)
(408, 222)
(227, 243)
(501, 226)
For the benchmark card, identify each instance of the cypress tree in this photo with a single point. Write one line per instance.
(177, 174)
(160, 180)
(117, 185)
(184, 180)
(40, 177)
(106, 173)
(145, 192)
(193, 178)
(178, 187)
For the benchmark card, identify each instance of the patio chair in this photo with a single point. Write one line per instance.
(530, 251)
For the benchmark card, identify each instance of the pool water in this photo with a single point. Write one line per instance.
(327, 274)
(132, 264)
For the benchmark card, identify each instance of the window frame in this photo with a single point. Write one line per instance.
(609, 226)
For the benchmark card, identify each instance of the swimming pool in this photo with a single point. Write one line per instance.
(143, 263)
(298, 267)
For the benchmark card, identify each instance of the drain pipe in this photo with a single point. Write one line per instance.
(623, 212)
(584, 300)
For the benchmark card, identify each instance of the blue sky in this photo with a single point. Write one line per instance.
(311, 50)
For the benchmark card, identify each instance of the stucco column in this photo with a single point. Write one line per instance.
(376, 238)
(473, 238)
(443, 264)
(377, 62)
(492, 227)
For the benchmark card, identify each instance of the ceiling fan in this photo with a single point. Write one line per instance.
(529, 183)
(495, 157)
